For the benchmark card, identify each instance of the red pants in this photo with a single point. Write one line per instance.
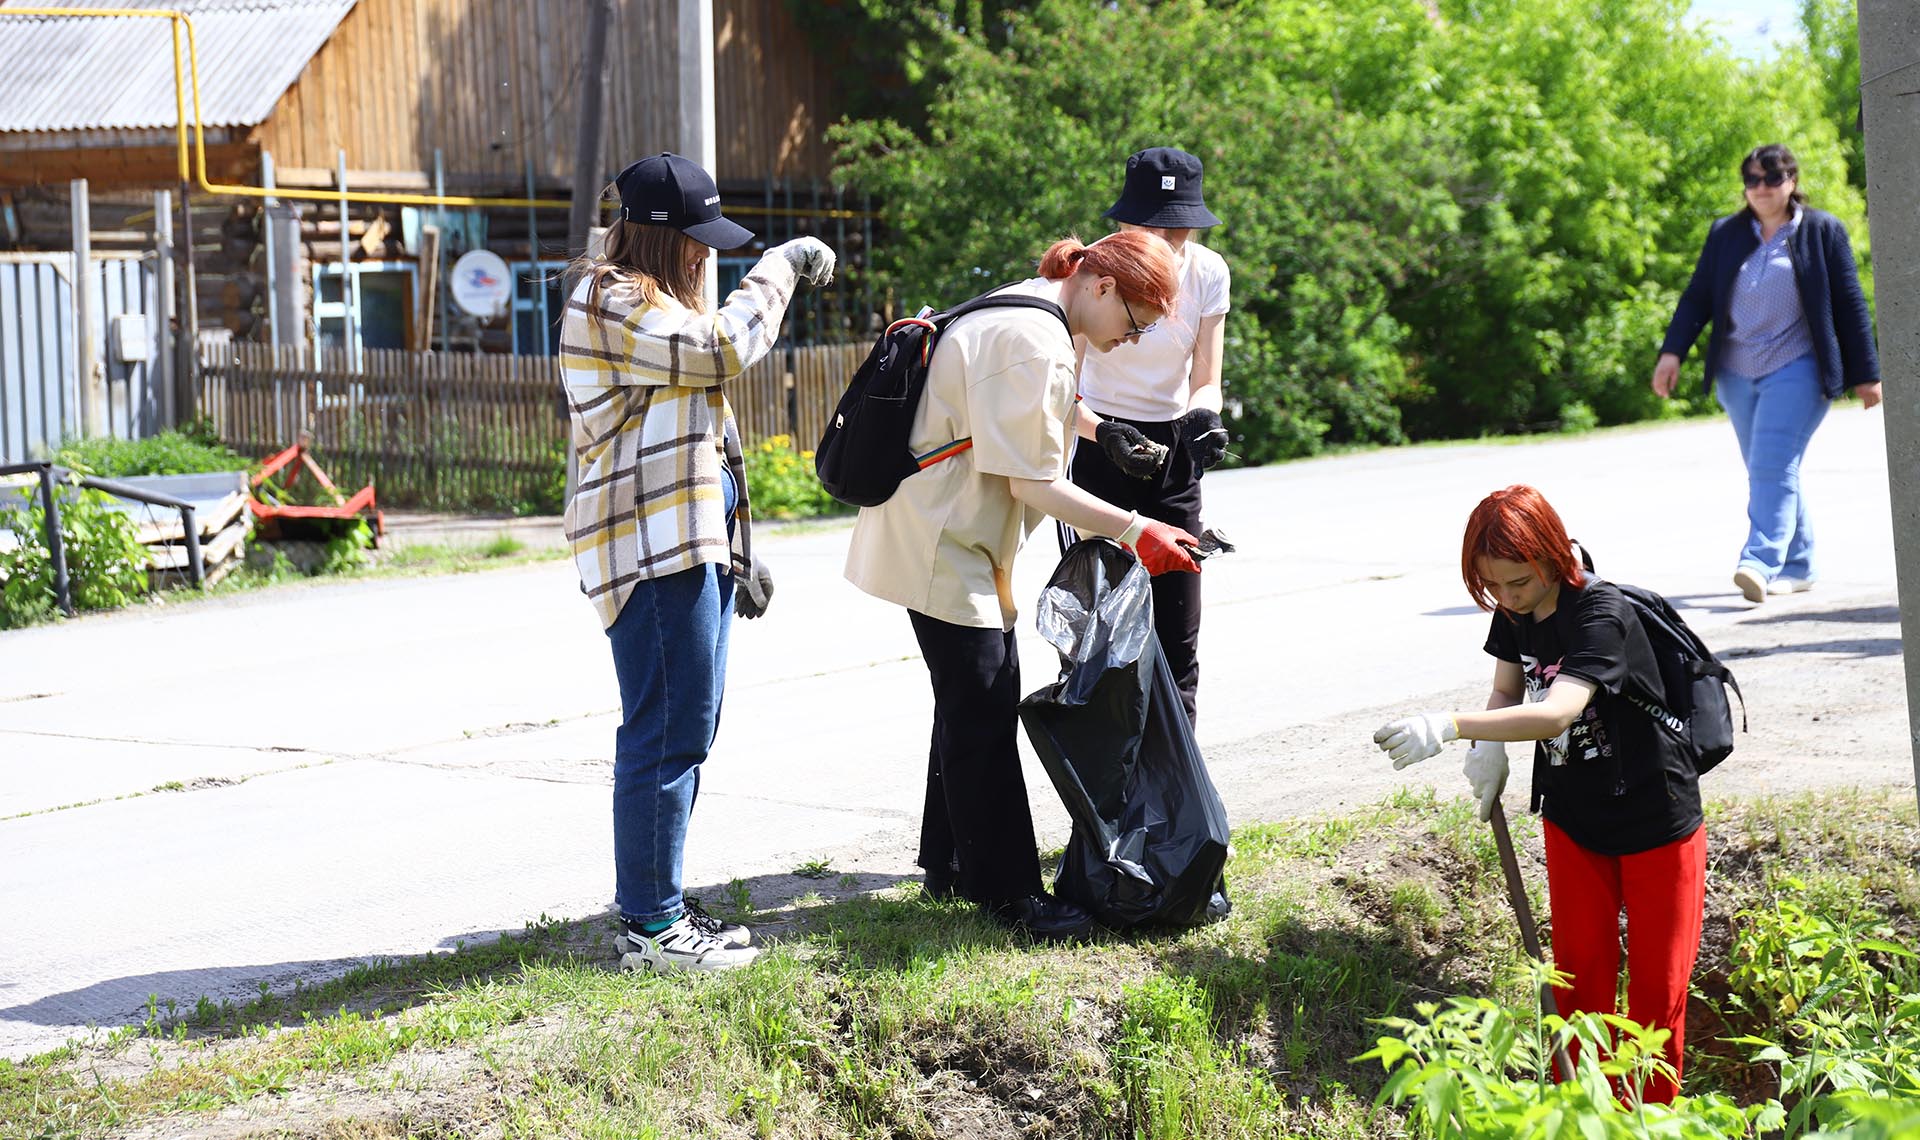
(1663, 891)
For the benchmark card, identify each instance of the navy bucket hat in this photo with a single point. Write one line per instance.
(1163, 190)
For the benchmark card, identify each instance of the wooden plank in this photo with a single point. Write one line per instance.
(163, 524)
(218, 549)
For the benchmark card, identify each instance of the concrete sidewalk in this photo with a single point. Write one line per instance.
(268, 787)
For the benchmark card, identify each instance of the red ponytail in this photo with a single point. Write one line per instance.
(1141, 264)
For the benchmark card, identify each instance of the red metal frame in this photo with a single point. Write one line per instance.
(360, 504)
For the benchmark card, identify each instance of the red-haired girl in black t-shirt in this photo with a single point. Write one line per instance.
(1619, 797)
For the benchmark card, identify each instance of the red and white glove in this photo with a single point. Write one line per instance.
(1161, 547)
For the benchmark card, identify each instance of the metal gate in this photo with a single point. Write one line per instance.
(40, 406)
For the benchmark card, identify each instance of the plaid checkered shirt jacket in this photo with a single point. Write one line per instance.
(651, 428)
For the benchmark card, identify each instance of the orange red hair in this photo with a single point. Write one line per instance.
(1516, 525)
(1141, 264)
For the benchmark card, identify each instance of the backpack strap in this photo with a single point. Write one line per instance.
(993, 299)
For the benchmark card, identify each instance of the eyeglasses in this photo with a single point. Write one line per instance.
(1134, 324)
(1771, 178)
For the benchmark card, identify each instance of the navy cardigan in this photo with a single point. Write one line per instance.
(1830, 295)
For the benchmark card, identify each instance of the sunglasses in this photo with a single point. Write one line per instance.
(1771, 178)
(1134, 324)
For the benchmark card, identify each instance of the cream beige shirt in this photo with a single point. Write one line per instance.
(944, 544)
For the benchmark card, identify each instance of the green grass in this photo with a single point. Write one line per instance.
(459, 558)
(886, 1014)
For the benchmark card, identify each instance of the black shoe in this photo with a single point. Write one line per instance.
(941, 883)
(1045, 917)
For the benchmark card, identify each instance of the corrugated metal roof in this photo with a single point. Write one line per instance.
(99, 73)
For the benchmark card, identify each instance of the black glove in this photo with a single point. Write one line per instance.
(753, 591)
(1131, 451)
(1204, 435)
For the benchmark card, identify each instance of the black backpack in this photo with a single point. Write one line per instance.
(863, 457)
(1694, 706)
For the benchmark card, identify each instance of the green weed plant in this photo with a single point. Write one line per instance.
(1841, 1000)
(168, 453)
(106, 563)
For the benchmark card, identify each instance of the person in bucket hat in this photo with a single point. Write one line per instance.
(1165, 390)
(659, 523)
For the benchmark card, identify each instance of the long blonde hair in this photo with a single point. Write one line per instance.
(653, 258)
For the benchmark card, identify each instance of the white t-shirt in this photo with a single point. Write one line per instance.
(943, 545)
(1147, 380)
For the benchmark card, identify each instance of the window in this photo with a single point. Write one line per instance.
(385, 316)
(530, 280)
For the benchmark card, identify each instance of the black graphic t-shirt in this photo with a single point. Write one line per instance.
(1616, 781)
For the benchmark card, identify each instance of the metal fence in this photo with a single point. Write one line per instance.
(456, 431)
(40, 406)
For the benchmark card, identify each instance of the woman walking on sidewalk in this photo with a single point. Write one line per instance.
(659, 522)
(1002, 381)
(1791, 334)
(1618, 794)
(1165, 389)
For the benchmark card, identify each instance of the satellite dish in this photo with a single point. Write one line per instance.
(482, 285)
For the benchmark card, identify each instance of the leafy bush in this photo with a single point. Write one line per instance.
(169, 453)
(1471, 1067)
(1840, 998)
(106, 564)
(781, 483)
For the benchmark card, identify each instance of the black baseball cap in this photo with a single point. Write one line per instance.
(667, 190)
(1162, 190)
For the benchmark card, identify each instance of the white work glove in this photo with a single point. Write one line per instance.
(810, 257)
(1486, 769)
(1416, 738)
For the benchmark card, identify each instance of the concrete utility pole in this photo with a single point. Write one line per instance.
(587, 164)
(696, 104)
(85, 363)
(587, 160)
(167, 360)
(1890, 97)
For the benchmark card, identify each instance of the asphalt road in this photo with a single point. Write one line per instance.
(199, 798)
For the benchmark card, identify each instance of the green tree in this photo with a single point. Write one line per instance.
(1329, 209)
(1443, 218)
(1833, 51)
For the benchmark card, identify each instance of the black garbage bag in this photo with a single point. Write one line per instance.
(1149, 831)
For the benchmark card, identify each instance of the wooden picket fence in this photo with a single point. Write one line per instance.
(462, 431)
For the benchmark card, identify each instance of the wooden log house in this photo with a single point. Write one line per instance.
(473, 97)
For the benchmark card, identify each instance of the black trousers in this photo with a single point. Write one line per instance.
(1172, 496)
(976, 809)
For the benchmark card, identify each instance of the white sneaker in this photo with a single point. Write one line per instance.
(1752, 586)
(680, 948)
(1786, 585)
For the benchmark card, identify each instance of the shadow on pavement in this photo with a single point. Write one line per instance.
(1857, 647)
(1859, 615)
(779, 901)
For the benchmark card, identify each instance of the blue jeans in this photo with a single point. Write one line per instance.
(1774, 418)
(670, 652)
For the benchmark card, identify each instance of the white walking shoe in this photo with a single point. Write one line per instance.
(1752, 586)
(681, 948)
(1786, 585)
